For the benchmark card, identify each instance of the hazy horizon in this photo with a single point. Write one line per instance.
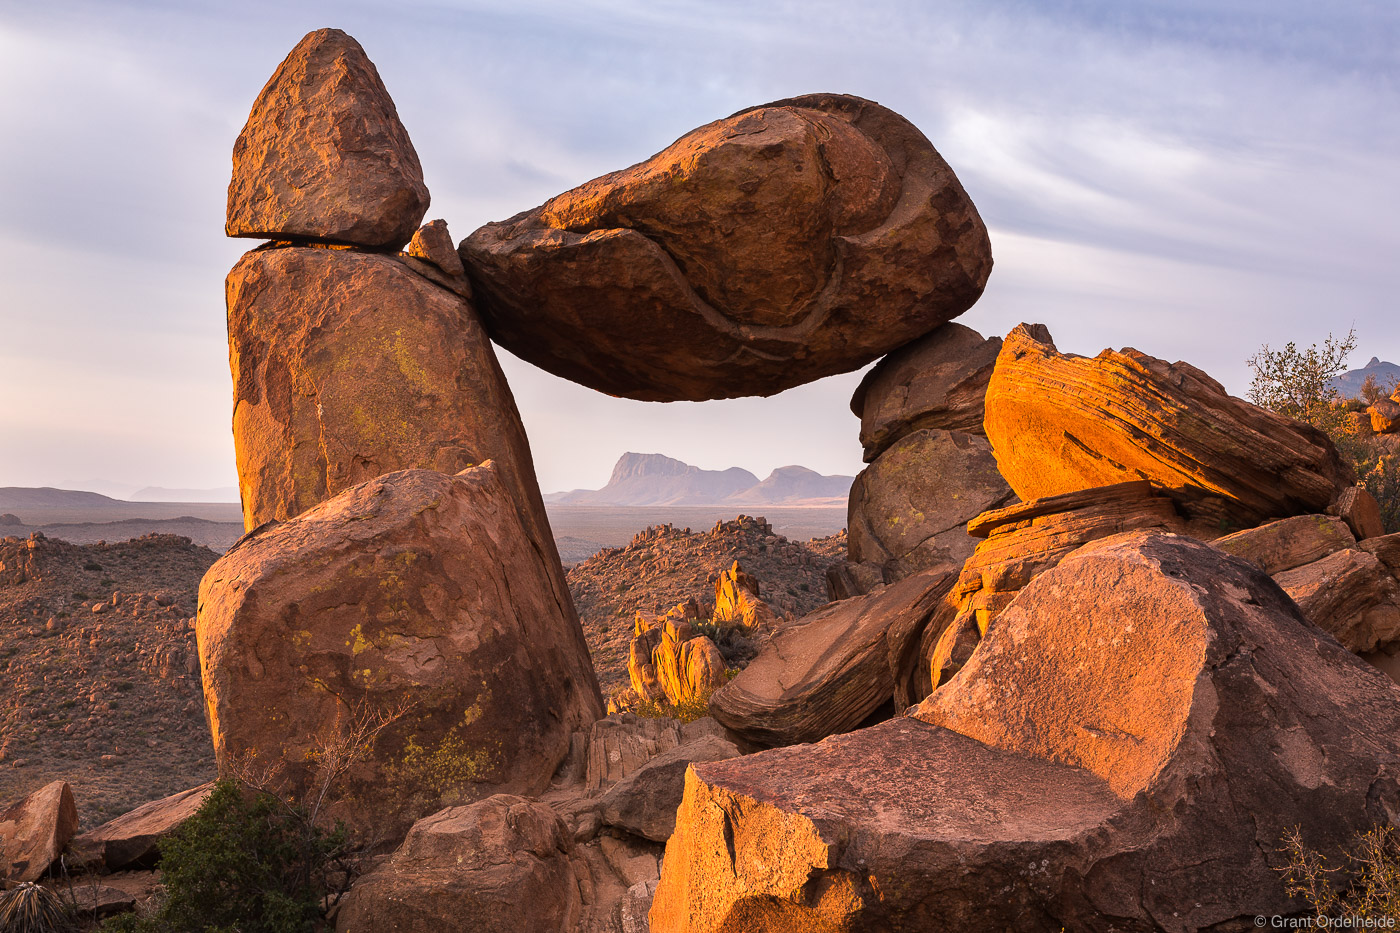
(1193, 179)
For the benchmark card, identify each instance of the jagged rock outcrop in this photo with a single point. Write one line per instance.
(34, 832)
(416, 587)
(500, 865)
(1145, 722)
(324, 156)
(788, 242)
(347, 366)
(1385, 415)
(938, 381)
(1060, 423)
(831, 670)
(738, 602)
(909, 510)
(671, 661)
(132, 840)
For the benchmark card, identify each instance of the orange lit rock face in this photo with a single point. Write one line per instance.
(737, 600)
(415, 586)
(1148, 709)
(1385, 415)
(324, 156)
(671, 661)
(788, 242)
(1060, 423)
(347, 366)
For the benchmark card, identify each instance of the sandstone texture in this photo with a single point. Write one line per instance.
(34, 832)
(1350, 595)
(738, 600)
(938, 381)
(1385, 416)
(788, 242)
(830, 671)
(908, 511)
(501, 865)
(347, 366)
(432, 243)
(323, 155)
(644, 803)
(132, 840)
(1289, 542)
(1060, 423)
(416, 587)
(1360, 510)
(671, 661)
(1144, 723)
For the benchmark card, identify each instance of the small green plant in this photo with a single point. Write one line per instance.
(428, 777)
(33, 908)
(1371, 871)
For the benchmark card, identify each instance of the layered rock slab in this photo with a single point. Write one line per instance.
(324, 156)
(788, 242)
(1059, 423)
(132, 840)
(34, 832)
(415, 588)
(1145, 721)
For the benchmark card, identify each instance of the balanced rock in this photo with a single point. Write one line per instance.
(395, 592)
(34, 832)
(938, 381)
(833, 669)
(132, 840)
(908, 511)
(788, 242)
(501, 865)
(1060, 423)
(1360, 510)
(323, 155)
(432, 243)
(737, 600)
(1125, 750)
(347, 366)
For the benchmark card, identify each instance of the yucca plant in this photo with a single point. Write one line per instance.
(33, 908)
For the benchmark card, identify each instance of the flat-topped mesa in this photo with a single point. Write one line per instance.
(788, 242)
(323, 156)
(1060, 423)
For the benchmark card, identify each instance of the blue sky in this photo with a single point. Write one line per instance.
(1192, 179)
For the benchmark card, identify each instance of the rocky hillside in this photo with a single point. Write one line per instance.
(665, 565)
(100, 671)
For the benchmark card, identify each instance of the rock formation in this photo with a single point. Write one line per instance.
(738, 602)
(1385, 415)
(1144, 723)
(1060, 423)
(132, 840)
(34, 832)
(418, 588)
(788, 242)
(323, 155)
(1360, 510)
(644, 803)
(671, 661)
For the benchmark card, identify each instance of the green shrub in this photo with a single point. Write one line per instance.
(32, 908)
(1371, 870)
(246, 862)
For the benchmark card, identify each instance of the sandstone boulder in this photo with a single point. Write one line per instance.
(132, 840)
(324, 156)
(1289, 542)
(644, 803)
(415, 588)
(34, 832)
(669, 660)
(738, 602)
(432, 243)
(1144, 723)
(833, 669)
(1350, 595)
(788, 242)
(500, 865)
(846, 579)
(623, 743)
(938, 381)
(1060, 423)
(1386, 549)
(347, 366)
(1360, 510)
(1385, 416)
(908, 511)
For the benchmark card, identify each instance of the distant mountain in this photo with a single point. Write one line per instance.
(654, 479)
(1349, 383)
(46, 497)
(161, 494)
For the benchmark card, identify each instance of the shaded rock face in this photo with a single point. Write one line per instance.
(1060, 423)
(1350, 595)
(1288, 543)
(415, 586)
(347, 366)
(1145, 721)
(908, 511)
(34, 832)
(644, 803)
(938, 381)
(501, 865)
(788, 242)
(324, 156)
(132, 840)
(833, 669)
(1360, 510)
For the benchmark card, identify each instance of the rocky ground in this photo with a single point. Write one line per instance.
(665, 565)
(100, 671)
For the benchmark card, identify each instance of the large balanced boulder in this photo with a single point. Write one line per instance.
(34, 832)
(1060, 423)
(908, 511)
(501, 865)
(938, 381)
(417, 592)
(788, 242)
(324, 156)
(347, 366)
(1124, 751)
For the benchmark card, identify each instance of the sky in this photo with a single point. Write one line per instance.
(1193, 179)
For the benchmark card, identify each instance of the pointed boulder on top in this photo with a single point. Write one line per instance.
(324, 156)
